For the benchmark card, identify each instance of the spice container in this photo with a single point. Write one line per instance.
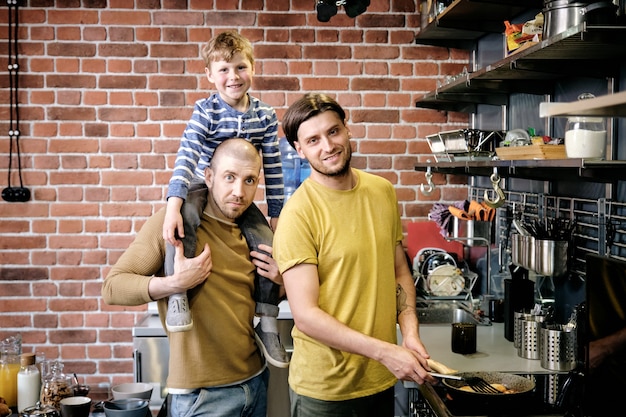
(56, 386)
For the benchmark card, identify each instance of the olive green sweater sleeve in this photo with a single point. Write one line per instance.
(127, 282)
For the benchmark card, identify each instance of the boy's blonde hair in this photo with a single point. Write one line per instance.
(223, 46)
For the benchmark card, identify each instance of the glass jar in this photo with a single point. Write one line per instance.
(56, 386)
(10, 351)
(585, 137)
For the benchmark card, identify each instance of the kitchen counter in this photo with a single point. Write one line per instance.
(493, 351)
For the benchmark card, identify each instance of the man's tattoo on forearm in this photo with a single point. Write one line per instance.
(401, 304)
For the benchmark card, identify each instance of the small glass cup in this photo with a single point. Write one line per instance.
(464, 338)
(80, 390)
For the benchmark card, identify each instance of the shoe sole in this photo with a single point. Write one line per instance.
(268, 358)
(177, 329)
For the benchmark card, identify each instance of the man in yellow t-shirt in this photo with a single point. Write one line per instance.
(338, 244)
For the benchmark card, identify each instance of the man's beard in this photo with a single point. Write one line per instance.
(342, 171)
(226, 212)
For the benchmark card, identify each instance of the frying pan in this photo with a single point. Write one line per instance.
(523, 387)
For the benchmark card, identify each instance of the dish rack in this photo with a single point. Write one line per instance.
(421, 274)
(464, 144)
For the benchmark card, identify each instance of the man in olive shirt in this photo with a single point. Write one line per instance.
(215, 369)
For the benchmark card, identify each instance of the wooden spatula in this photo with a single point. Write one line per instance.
(440, 367)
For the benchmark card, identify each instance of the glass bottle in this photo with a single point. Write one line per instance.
(10, 350)
(28, 382)
(56, 386)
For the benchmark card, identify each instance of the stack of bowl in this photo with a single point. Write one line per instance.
(129, 400)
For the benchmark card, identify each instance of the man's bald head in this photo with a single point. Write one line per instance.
(236, 148)
(233, 177)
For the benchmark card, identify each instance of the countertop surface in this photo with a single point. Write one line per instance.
(493, 351)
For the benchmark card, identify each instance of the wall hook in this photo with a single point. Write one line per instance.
(500, 197)
(431, 187)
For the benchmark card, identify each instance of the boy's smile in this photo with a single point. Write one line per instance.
(232, 80)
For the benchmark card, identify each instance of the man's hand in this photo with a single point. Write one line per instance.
(190, 272)
(266, 266)
(407, 365)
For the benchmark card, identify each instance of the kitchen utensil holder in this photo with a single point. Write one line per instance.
(544, 256)
(529, 337)
(558, 347)
(523, 251)
(472, 232)
(550, 257)
(518, 316)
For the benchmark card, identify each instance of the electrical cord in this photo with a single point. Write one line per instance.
(14, 194)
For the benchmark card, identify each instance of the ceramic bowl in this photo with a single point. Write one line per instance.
(126, 407)
(132, 390)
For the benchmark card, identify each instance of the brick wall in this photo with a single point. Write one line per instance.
(106, 88)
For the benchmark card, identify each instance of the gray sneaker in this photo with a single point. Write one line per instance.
(178, 318)
(272, 348)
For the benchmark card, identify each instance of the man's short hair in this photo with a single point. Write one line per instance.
(312, 104)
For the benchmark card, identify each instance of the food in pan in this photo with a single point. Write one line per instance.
(499, 387)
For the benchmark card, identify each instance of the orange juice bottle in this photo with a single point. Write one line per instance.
(9, 367)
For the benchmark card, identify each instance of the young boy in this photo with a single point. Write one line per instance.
(229, 113)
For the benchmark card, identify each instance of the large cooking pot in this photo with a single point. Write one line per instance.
(522, 387)
(560, 15)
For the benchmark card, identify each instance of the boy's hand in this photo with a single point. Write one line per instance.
(173, 222)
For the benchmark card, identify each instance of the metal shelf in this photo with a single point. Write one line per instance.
(612, 105)
(582, 50)
(463, 22)
(555, 169)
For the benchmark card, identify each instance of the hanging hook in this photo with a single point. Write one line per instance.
(500, 197)
(431, 187)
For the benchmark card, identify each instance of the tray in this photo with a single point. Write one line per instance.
(532, 152)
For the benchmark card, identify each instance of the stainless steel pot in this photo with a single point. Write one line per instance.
(560, 15)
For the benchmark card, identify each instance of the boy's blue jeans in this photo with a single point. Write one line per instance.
(255, 229)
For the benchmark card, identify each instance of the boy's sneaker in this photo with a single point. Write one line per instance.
(325, 10)
(178, 318)
(273, 349)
